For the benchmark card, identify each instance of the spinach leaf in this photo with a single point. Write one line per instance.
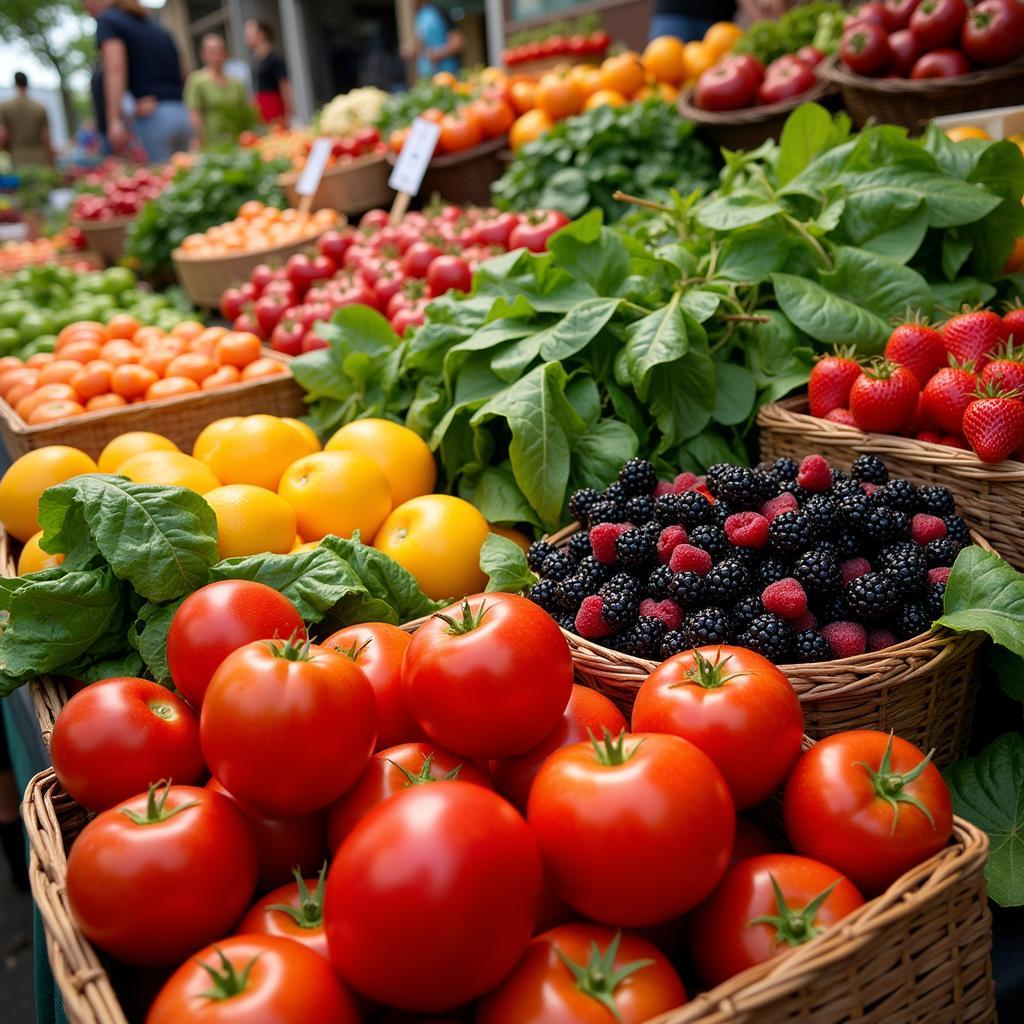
(599, 452)
(828, 317)
(878, 284)
(504, 563)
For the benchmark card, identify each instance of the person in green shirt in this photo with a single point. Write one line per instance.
(217, 103)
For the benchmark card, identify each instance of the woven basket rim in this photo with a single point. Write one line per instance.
(110, 224)
(288, 178)
(747, 115)
(832, 70)
(463, 156)
(196, 261)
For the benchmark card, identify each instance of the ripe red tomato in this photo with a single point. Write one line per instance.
(587, 712)
(616, 819)
(378, 648)
(864, 48)
(288, 727)
(447, 273)
(282, 844)
(489, 678)
(258, 978)
(534, 229)
(943, 63)
(903, 52)
(762, 907)
(418, 257)
(161, 874)
(870, 804)
(393, 771)
(785, 81)
(736, 706)
(294, 911)
(115, 737)
(435, 876)
(576, 973)
(994, 31)
(937, 23)
(726, 86)
(218, 619)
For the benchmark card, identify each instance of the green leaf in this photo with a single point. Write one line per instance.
(701, 303)
(504, 563)
(727, 212)
(950, 297)
(734, 394)
(597, 257)
(752, 254)
(1008, 668)
(681, 397)
(598, 454)
(498, 497)
(778, 355)
(878, 284)
(985, 593)
(808, 131)
(162, 540)
(954, 253)
(660, 337)
(152, 637)
(92, 670)
(901, 240)
(988, 790)
(575, 331)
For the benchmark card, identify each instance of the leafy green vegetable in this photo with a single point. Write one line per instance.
(504, 562)
(819, 23)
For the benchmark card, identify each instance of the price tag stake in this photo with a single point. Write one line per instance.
(309, 179)
(412, 163)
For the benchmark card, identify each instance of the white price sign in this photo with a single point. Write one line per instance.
(316, 163)
(414, 159)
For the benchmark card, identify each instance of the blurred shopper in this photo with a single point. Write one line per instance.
(216, 102)
(138, 58)
(24, 127)
(690, 19)
(437, 45)
(269, 73)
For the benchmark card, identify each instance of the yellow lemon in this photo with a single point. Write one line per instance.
(175, 469)
(124, 447)
(27, 478)
(257, 451)
(251, 520)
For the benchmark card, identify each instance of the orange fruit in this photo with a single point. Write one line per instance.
(605, 98)
(624, 73)
(108, 401)
(523, 95)
(122, 325)
(305, 430)
(237, 348)
(438, 538)
(187, 329)
(55, 409)
(251, 520)
(587, 77)
(966, 131)
(27, 478)
(530, 126)
(24, 407)
(559, 95)
(171, 387)
(257, 451)
(125, 446)
(174, 469)
(210, 436)
(665, 57)
(221, 378)
(698, 59)
(721, 38)
(336, 493)
(403, 456)
(132, 381)
(34, 559)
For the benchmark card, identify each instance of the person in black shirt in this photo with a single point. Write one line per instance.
(270, 76)
(690, 19)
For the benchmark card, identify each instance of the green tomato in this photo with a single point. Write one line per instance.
(44, 343)
(116, 280)
(90, 282)
(33, 325)
(9, 340)
(11, 313)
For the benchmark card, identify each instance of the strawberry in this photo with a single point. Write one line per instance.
(994, 424)
(973, 336)
(830, 382)
(884, 398)
(1006, 371)
(1013, 323)
(918, 347)
(843, 416)
(947, 395)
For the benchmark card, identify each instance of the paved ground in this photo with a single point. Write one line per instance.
(17, 1005)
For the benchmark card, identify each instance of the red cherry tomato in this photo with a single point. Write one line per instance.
(937, 23)
(447, 273)
(994, 31)
(942, 63)
(115, 737)
(534, 229)
(864, 48)
(294, 911)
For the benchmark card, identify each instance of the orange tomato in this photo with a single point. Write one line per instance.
(496, 115)
(129, 380)
(41, 395)
(666, 58)
(187, 330)
(82, 351)
(721, 37)
(90, 329)
(10, 363)
(191, 364)
(108, 401)
(210, 336)
(60, 371)
(237, 348)
(18, 392)
(18, 376)
(221, 377)
(50, 412)
(149, 335)
(157, 356)
(559, 95)
(171, 387)
(699, 58)
(459, 131)
(396, 140)
(531, 126)
(624, 73)
(588, 78)
(122, 325)
(524, 95)
(93, 378)
(264, 367)
(250, 208)
(120, 351)
(40, 359)
(605, 98)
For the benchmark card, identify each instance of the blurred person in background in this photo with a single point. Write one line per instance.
(216, 102)
(138, 58)
(438, 44)
(269, 73)
(690, 19)
(24, 127)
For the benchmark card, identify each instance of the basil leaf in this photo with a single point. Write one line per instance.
(504, 563)
(875, 283)
(726, 212)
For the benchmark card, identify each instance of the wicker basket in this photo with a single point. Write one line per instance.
(913, 104)
(466, 177)
(105, 237)
(990, 496)
(181, 419)
(924, 689)
(352, 188)
(206, 278)
(746, 129)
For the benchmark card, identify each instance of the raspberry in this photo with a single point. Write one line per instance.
(925, 527)
(590, 619)
(667, 611)
(684, 482)
(785, 598)
(603, 538)
(784, 502)
(663, 487)
(939, 574)
(879, 639)
(806, 621)
(687, 558)
(747, 529)
(869, 488)
(843, 416)
(815, 473)
(852, 568)
(668, 540)
(845, 638)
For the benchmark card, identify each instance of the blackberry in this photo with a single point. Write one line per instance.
(905, 566)
(720, 511)
(882, 525)
(710, 625)
(614, 492)
(623, 581)
(638, 477)
(769, 635)
(712, 539)
(822, 512)
(716, 474)
(869, 469)
(834, 609)
(746, 609)
(727, 582)
(741, 487)
(810, 645)
(668, 509)
(749, 557)
(935, 500)
(829, 546)
(818, 572)
(606, 511)
(594, 571)
(559, 565)
(784, 468)
(693, 509)
(537, 552)
(579, 545)
(569, 593)
(619, 606)
(934, 601)
(634, 549)
(545, 594)
(673, 642)
(643, 639)
(942, 551)
(846, 545)
(580, 503)
(687, 589)
(845, 487)
(854, 510)
(838, 476)
(958, 529)
(657, 582)
(771, 570)
(898, 494)
(911, 620)
(800, 493)
(790, 532)
(567, 621)
(871, 597)
(640, 509)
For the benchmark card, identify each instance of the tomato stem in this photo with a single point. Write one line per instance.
(292, 649)
(310, 911)
(611, 750)
(155, 809)
(353, 652)
(892, 786)
(794, 925)
(598, 977)
(425, 774)
(706, 673)
(227, 982)
(468, 622)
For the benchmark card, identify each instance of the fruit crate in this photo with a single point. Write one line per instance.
(989, 495)
(350, 188)
(106, 238)
(465, 178)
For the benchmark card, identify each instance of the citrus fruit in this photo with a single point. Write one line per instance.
(966, 131)
(132, 443)
(210, 436)
(528, 127)
(175, 469)
(437, 538)
(305, 430)
(257, 451)
(664, 57)
(721, 37)
(623, 73)
(403, 456)
(251, 520)
(29, 476)
(33, 558)
(699, 57)
(605, 98)
(336, 492)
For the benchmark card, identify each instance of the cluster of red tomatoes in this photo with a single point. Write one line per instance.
(122, 196)
(578, 45)
(395, 269)
(742, 81)
(491, 826)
